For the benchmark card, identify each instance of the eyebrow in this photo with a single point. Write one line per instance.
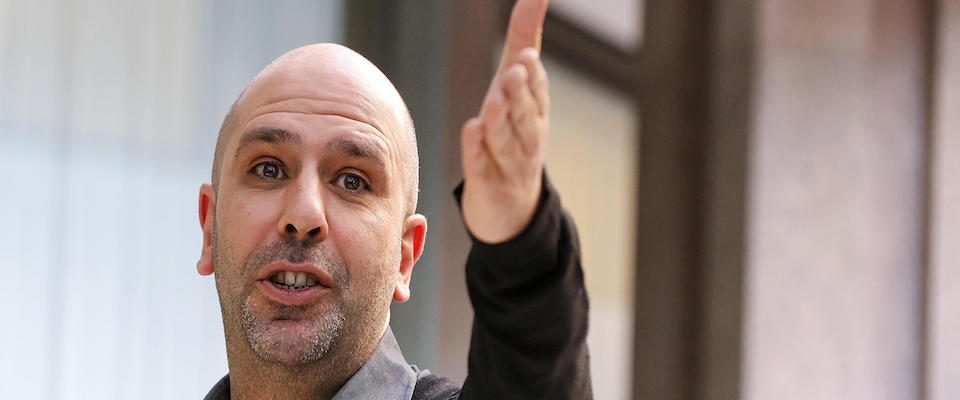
(270, 135)
(357, 148)
(352, 147)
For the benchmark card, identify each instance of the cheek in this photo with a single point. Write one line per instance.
(244, 222)
(368, 243)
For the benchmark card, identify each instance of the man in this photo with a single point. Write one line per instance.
(310, 226)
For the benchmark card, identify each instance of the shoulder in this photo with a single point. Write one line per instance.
(435, 387)
(220, 391)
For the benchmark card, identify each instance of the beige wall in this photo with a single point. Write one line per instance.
(943, 351)
(835, 247)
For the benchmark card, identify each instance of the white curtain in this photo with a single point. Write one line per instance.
(108, 117)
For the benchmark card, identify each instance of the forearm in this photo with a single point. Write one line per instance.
(529, 334)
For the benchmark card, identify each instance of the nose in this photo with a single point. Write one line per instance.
(303, 215)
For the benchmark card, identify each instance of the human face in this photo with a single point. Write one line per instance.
(311, 191)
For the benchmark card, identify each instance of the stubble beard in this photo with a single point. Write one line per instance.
(324, 326)
(307, 346)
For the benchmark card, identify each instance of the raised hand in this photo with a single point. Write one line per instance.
(503, 146)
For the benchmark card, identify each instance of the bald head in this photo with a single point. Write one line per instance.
(329, 79)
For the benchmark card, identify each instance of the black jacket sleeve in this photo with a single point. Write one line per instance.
(530, 311)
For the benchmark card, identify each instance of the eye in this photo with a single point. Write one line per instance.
(269, 170)
(351, 182)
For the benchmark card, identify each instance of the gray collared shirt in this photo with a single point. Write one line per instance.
(386, 375)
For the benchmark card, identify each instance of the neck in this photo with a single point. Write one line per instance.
(253, 378)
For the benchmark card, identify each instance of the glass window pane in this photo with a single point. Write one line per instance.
(592, 160)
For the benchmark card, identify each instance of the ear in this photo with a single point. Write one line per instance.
(208, 202)
(414, 235)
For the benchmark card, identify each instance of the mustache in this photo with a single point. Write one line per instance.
(298, 252)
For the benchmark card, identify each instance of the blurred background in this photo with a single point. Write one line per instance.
(766, 191)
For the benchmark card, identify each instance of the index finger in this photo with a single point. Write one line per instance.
(524, 30)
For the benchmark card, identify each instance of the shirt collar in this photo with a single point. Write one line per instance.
(386, 375)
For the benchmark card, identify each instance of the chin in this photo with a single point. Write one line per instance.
(292, 341)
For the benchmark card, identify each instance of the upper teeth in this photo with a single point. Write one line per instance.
(295, 280)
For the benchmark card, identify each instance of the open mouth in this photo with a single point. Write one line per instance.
(294, 280)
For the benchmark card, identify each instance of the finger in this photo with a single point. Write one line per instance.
(501, 144)
(524, 113)
(503, 147)
(492, 105)
(472, 146)
(539, 85)
(495, 106)
(524, 30)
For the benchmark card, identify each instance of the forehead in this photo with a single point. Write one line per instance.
(328, 88)
(325, 83)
